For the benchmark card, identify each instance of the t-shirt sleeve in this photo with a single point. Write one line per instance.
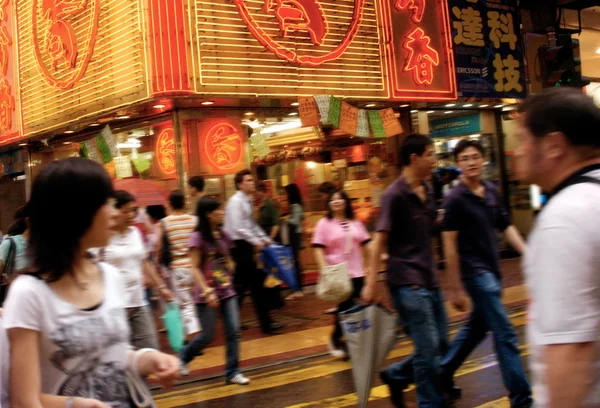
(384, 224)
(452, 214)
(362, 233)
(319, 238)
(504, 221)
(23, 308)
(568, 294)
(4, 246)
(195, 240)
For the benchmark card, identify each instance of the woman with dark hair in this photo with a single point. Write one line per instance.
(13, 250)
(66, 319)
(209, 251)
(128, 253)
(339, 238)
(295, 231)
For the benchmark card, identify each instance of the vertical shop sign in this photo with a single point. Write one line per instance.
(123, 168)
(362, 126)
(391, 124)
(335, 111)
(309, 111)
(259, 144)
(487, 48)
(376, 124)
(8, 130)
(165, 151)
(348, 119)
(323, 102)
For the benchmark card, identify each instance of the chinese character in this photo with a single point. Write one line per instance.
(502, 29)
(422, 58)
(507, 74)
(7, 105)
(300, 15)
(3, 4)
(61, 40)
(417, 7)
(5, 42)
(469, 30)
(222, 145)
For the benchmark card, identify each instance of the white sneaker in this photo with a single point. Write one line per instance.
(335, 352)
(239, 379)
(183, 369)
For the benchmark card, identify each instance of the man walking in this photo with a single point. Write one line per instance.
(408, 215)
(472, 213)
(559, 150)
(248, 237)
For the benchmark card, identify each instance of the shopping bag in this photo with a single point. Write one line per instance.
(370, 333)
(335, 284)
(280, 258)
(174, 326)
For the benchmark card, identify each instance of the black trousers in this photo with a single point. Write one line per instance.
(295, 244)
(336, 337)
(247, 276)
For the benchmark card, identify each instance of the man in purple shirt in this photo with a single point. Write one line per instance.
(407, 218)
(473, 212)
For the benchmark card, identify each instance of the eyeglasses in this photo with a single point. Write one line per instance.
(464, 159)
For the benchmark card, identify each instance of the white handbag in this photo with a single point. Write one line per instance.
(335, 284)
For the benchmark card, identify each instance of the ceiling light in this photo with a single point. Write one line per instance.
(66, 143)
(123, 117)
(207, 103)
(406, 105)
(311, 164)
(449, 105)
(293, 114)
(484, 106)
(249, 113)
(22, 144)
(295, 104)
(159, 106)
(370, 105)
(414, 111)
(430, 112)
(498, 106)
(69, 131)
(598, 51)
(279, 127)
(447, 112)
(468, 105)
(94, 124)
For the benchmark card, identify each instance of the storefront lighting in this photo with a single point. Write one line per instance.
(69, 131)
(598, 51)
(311, 164)
(414, 111)
(449, 105)
(293, 114)
(122, 117)
(468, 105)
(159, 106)
(94, 124)
(249, 113)
(406, 105)
(22, 144)
(294, 104)
(484, 106)
(206, 103)
(447, 112)
(498, 106)
(66, 143)
(430, 112)
(280, 127)
(131, 143)
(370, 105)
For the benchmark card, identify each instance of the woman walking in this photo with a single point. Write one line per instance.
(210, 258)
(339, 238)
(295, 232)
(66, 319)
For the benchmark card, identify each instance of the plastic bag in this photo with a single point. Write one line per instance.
(174, 326)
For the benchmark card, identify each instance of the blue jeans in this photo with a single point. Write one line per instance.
(208, 319)
(489, 314)
(422, 311)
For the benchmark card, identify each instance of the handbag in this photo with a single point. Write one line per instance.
(334, 283)
(139, 393)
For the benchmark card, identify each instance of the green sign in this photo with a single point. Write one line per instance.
(103, 149)
(335, 111)
(376, 123)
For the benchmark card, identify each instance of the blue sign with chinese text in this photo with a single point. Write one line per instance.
(488, 53)
(461, 125)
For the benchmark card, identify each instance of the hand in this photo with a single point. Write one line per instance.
(366, 295)
(167, 295)
(163, 366)
(88, 403)
(213, 300)
(1, 312)
(260, 246)
(458, 300)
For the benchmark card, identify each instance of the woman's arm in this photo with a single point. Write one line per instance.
(320, 257)
(198, 276)
(157, 282)
(296, 214)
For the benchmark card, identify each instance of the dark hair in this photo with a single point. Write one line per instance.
(293, 194)
(349, 212)
(20, 225)
(327, 188)
(123, 198)
(415, 143)
(464, 144)
(565, 110)
(156, 211)
(177, 200)
(261, 186)
(205, 207)
(239, 177)
(197, 182)
(65, 198)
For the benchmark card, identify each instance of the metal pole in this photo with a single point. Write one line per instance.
(179, 150)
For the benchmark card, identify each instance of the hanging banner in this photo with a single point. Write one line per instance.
(142, 162)
(259, 144)
(391, 124)
(103, 149)
(309, 111)
(376, 124)
(123, 167)
(335, 111)
(348, 119)
(88, 149)
(362, 126)
(323, 102)
(487, 48)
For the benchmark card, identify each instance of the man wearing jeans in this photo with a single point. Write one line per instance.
(408, 215)
(472, 213)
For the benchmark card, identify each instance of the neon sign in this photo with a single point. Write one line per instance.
(422, 58)
(165, 151)
(417, 7)
(299, 16)
(61, 54)
(223, 145)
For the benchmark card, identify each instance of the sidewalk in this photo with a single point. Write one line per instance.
(308, 328)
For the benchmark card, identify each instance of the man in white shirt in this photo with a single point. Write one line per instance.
(559, 150)
(248, 237)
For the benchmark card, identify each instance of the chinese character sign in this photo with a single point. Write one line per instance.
(487, 48)
(9, 131)
(222, 144)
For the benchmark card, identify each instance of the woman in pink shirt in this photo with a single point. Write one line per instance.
(330, 241)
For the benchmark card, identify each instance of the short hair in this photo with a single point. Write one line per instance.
(261, 186)
(327, 188)
(197, 182)
(464, 144)
(239, 177)
(564, 110)
(177, 200)
(293, 194)
(123, 198)
(415, 143)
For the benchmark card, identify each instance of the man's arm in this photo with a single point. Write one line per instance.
(454, 285)
(379, 242)
(569, 372)
(515, 239)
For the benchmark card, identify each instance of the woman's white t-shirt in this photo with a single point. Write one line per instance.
(127, 252)
(82, 353)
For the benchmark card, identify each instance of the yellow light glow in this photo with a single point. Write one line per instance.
(311, 164)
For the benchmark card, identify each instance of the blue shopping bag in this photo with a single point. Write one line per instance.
(281, 258)
(174, 326)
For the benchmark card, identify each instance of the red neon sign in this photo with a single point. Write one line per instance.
(55, 38)
(422, 58)
(7, 105)
(223, 145)
(299, 15)
(165, 151)
(417, 7)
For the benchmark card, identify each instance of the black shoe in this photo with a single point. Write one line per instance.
(274, 328)
(396, 389)
(244, 327)
(450, 389)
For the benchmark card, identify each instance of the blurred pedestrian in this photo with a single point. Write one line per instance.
(268, 213)
(326, 189)
(407, 219)
(66, 319)
(473, 211)
(559, 150)
(340, 238)
(13, 251)
(295, 233)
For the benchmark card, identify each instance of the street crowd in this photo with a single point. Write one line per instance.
(79, 261)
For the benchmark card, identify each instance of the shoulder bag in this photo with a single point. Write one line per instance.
(334, 283)
(9, 267)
